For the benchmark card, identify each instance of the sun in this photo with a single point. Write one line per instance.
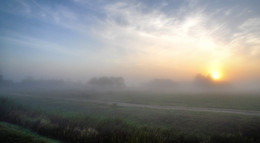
(215, 75)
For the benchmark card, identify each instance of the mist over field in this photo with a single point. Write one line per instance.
(110, 71)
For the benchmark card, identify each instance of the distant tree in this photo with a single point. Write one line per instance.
(207, 81)
(104, 83)
(203, 80)
(4, 82)
(162, 83)
(1, 78)
(41, 83)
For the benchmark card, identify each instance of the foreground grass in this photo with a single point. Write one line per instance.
(10, 133)
(84, 122)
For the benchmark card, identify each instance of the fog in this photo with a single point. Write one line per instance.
(80, 71)
(198, 84)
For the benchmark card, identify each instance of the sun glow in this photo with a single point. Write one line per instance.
(216, 75)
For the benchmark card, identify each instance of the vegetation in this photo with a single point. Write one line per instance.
(79, 121)
(10, 133)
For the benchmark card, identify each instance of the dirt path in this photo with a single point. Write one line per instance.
(177, 108)
(183, 108)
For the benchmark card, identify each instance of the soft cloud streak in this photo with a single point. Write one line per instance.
(161, 41)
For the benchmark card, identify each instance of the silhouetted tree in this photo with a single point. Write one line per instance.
(162, 83)
(201, 80)
(104, 83)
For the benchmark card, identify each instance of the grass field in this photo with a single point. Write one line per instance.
(10, 133)
(56, 115)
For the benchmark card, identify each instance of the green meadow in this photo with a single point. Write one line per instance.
(10, 133)
(77, 116)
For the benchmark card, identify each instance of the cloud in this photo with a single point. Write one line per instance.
(155, 38)
(167, 40)
(22, 41)
(246, 41)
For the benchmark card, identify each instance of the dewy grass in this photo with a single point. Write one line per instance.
(104, 123)
(10, 133)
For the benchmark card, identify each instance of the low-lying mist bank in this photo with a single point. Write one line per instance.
(200, 84)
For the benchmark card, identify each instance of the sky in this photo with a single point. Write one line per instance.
(137, 39)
